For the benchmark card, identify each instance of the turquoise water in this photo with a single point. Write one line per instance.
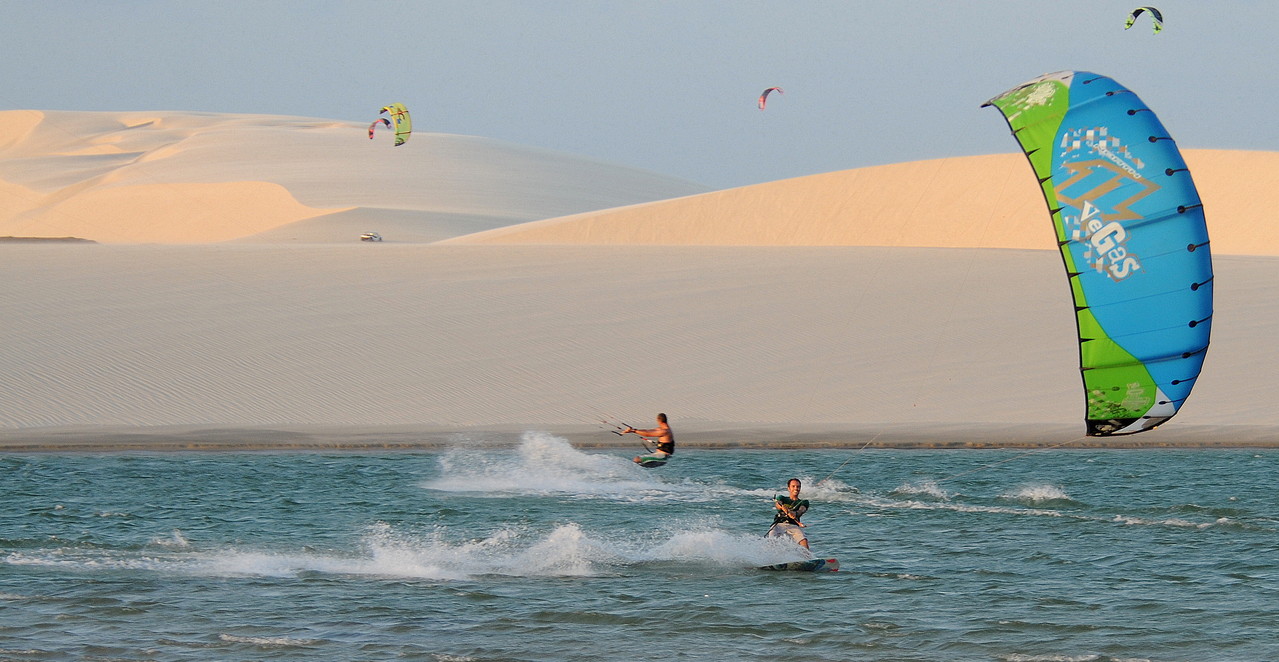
(543, 552)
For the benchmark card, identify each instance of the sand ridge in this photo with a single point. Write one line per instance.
(967, 202)
(270, 172)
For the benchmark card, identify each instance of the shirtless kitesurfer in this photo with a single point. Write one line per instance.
(665, 441)
(789, 509)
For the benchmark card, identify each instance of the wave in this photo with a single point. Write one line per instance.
(1038, 494)
(926, 488)
(272, 642)
(1035, 509)
(566, 550)
(543, 464)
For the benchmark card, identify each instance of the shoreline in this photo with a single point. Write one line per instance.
(210, 439)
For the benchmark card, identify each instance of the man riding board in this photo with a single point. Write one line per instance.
(665, 441)
(789, 509)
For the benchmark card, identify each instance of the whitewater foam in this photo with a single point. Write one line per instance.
(1039, 493)
(543, 464)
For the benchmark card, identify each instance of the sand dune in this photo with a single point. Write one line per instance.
(198, 178)
(970, 202)
(209, 212)
(777, 313)
(202, 178)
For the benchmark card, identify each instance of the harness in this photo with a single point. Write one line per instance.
(799, 507)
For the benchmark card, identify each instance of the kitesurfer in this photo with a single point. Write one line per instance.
(789, 509)
(665, 441)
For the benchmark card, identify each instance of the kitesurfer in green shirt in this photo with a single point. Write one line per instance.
(789, 509)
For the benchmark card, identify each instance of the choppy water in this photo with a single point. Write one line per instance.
(543, 552)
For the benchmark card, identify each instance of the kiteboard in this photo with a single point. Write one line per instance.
(650, 461)
(811, 565)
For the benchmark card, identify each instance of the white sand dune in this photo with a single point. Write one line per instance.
(200, 178)
(740, 331)
(969, 202)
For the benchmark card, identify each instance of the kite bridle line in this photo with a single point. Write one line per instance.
(850, 458)
(605, 422)
(620, 431)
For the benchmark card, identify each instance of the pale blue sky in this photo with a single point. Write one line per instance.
(669, 86)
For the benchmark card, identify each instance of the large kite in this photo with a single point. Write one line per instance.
(1131, 231)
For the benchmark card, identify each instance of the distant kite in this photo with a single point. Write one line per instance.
(763, 98)
(403, 124)
(380, 120)
(1155, 16)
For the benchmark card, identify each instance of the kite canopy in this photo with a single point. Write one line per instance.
(1156, 17)
(380, 120)
(1131, 232)
(403, 123)
(763, 98)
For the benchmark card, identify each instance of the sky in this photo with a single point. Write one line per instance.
(667, 86)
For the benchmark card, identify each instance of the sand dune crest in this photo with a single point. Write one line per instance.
(969, 202)
(168, 213)
(435, 187)
(16, 125)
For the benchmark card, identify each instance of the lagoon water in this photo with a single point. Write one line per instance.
(540, 551)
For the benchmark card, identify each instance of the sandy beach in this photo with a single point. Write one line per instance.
(226, 301)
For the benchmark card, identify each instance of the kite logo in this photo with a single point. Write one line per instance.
(1108, 174)
(1107, 244)
(1136, 398)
